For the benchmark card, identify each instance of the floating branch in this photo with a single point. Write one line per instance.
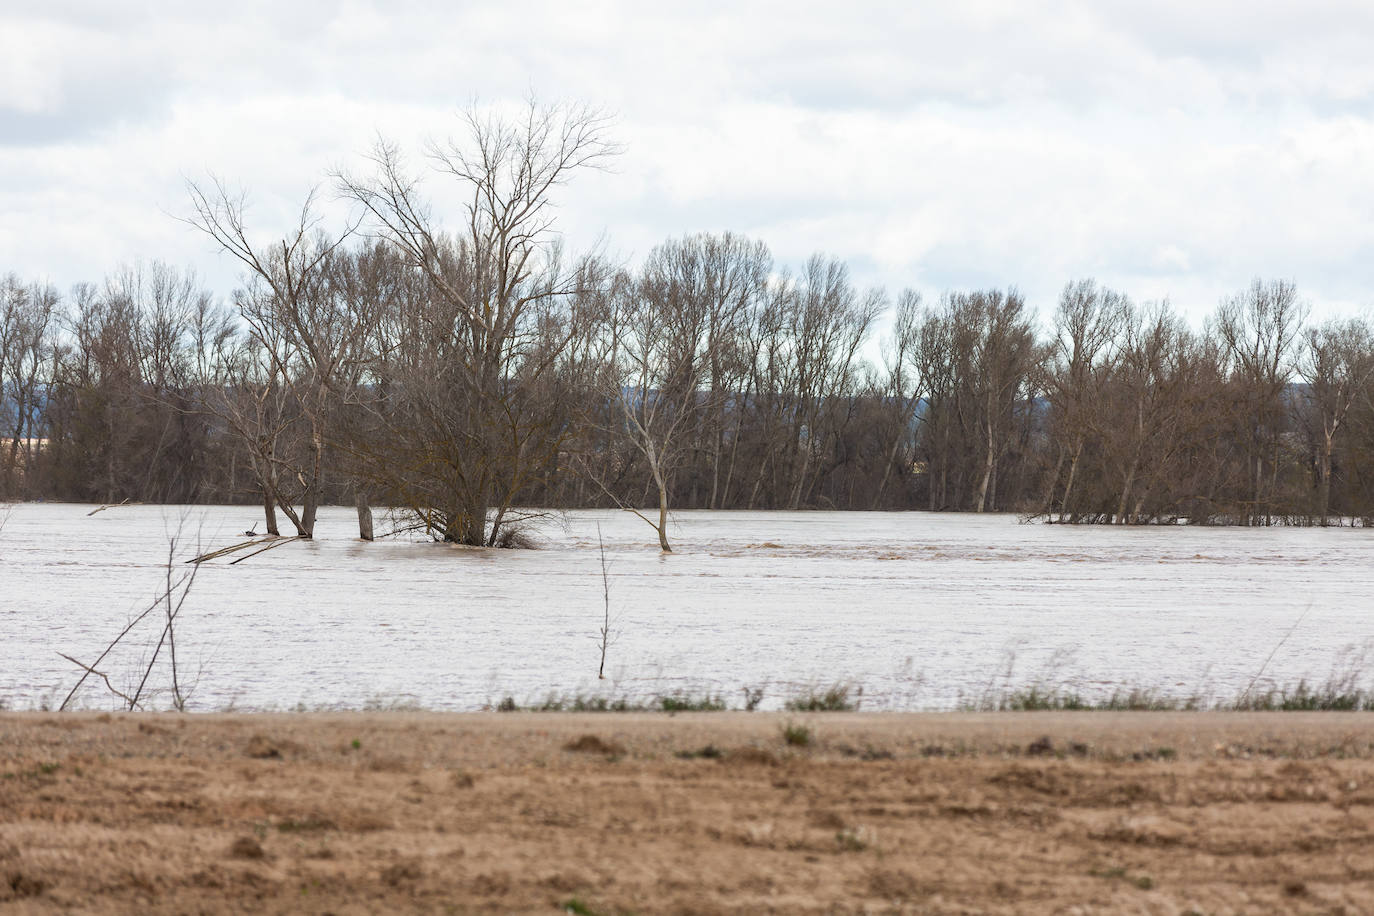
(276, 542)
(126, 502)
(215, 554)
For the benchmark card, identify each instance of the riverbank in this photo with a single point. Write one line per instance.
(714, 812)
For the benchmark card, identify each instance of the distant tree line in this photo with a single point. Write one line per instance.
(465, 373)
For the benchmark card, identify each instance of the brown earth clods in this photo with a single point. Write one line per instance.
(696, 813)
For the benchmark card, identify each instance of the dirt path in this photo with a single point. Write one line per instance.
(696, 813)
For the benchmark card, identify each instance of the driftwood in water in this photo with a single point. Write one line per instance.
(111, 506)
(232, 548)
(262, 544)
(275, 542)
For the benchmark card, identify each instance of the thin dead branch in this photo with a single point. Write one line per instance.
(100, 674)
(605, 636)
(172, 598)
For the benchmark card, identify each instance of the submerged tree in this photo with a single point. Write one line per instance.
(466, 407)
(674, 362)
(305, 344)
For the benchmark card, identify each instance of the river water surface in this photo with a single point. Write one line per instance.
(923, 611)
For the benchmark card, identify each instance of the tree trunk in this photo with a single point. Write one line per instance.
(944, 479)
(663, 520)
(269, 511)
(1047, 505)
(1073, 472)
(1126, 492)
(311, 497)
(662, 483)
(474, 526)
(364, 515)
(987, 473)
(758, 484)
(1273, 484)
(717, 450)
(308, 510)
(734, 443)
(1324, 487)
(13, 472)
(891, 460)
(795, 502)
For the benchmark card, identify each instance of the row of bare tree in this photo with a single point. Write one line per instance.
(1252, 421)
(463, 373)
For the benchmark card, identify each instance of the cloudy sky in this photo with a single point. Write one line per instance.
(1174, 148)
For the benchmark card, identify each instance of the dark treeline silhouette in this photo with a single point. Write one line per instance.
(460, 374)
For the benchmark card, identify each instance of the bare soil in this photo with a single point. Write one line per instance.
(695, 813)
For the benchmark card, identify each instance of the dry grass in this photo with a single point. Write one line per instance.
(709, 813)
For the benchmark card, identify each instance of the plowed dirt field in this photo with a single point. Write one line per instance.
(694, 813)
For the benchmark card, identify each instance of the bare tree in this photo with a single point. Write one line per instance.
(906, 381)
(1004, 353)
(175, 325)
(26, 353)
(938, 357)
(676, 361)
(826, 321)
(1259, 329)
(654, 372)
(306, 336)
(492, 328)
(1087, 324)
(95, 416)
(1146, 403)
(1337, 363)
(248, 392)
(714, 284)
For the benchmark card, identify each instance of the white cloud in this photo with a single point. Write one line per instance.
(1172, 149)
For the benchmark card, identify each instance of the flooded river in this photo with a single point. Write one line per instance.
(923, 611)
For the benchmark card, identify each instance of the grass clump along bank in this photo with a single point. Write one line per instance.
(835, 698)
(671, 703)
(1336, 695)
